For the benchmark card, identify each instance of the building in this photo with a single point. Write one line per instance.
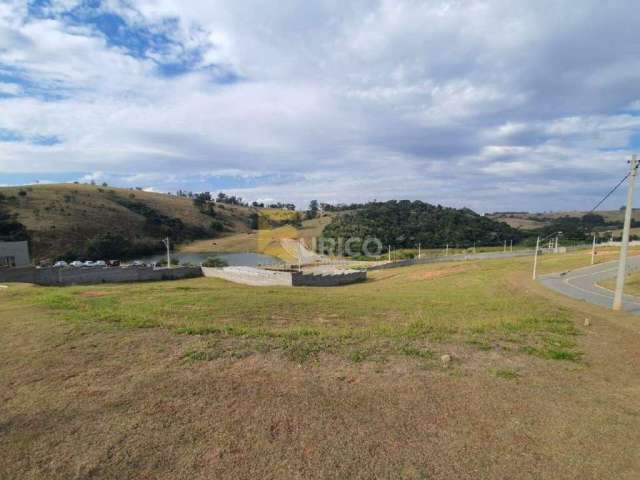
(14, 254)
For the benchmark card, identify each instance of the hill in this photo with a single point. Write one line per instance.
(533, 221)
(73, 220)
(404, 224)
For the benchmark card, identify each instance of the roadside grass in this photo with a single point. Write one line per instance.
(631, 284)
(413, 312)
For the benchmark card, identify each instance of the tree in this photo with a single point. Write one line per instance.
(214, 262)
(106, 246)
(11, 229)
(313, 210)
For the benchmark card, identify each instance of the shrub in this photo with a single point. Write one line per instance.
(214, 262)
(216, 226)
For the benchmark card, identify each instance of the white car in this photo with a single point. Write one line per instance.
(60, 264)
(76, 263)
(100, 263)
(137, 263)
(88, 263)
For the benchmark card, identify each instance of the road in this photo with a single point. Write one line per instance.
(582, 284)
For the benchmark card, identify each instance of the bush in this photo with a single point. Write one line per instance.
(214, 262)
(105, 246)
(216, 226)
(22, 193)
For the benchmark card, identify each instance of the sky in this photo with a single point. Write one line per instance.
(493, 105)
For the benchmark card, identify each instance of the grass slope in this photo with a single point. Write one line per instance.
(262, 241)
(206, 379)
(63, 217)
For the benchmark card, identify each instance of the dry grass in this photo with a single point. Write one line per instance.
(265, 241)
(87, 397)
(63, 217)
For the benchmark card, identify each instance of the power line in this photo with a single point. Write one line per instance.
(610, 192)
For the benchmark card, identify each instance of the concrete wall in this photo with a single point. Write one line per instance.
(250, 276)
(260, 277)
(19, 251)
(302, 279)
(94, 275)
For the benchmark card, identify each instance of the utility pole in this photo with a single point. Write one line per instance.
(389, 252)
(535, 257)
(474, 247)
(556, 247)
(419, 245)
(167, 244)
(624, 246)
(511, 246)
(446, 252)
(505, 247)
(593, 250)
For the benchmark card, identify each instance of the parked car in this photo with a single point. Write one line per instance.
(100, 263)
(76, 263)
(113, 263)
(89, 263)
(60, 264)
(137, 263)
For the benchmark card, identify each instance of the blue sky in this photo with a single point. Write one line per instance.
(495, 105)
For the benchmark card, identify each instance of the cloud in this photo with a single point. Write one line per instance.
(465, 103)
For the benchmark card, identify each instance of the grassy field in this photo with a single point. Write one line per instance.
(206, 379)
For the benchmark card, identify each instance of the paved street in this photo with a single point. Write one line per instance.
(581, 284)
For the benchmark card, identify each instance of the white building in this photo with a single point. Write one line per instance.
(14, 254)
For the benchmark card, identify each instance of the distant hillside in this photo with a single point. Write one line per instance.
(404, 224)
(531, 221)
(73, 220)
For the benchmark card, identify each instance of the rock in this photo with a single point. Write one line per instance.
(587, 322)
(445, 360)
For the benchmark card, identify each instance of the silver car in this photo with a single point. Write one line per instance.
(60, 264)
(76, 263)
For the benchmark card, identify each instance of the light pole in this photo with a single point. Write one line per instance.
(167, 244)
(535, 257)
(593, 250)
(535, 254)
(624, 246)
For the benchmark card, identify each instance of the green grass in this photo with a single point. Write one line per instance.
(402, 311)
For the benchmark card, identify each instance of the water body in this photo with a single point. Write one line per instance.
(233, 259)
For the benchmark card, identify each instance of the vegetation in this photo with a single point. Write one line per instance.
(63, 220)
(11, 229)
(205, 379)
(214, 262)
(404, 224)
(393, 314)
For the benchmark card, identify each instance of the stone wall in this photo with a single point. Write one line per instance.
(94, 275)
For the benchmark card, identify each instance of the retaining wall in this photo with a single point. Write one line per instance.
(93, 275)
(302, 279)
(250, 276)
(260, 277)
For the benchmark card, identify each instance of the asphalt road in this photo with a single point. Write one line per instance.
(581, 284)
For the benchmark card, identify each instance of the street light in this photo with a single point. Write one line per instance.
(535, 254)
(166, 244)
